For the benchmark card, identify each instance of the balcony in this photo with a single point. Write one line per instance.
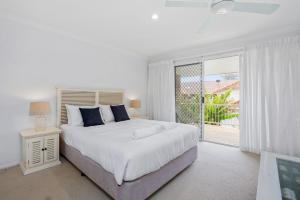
(222, 134)
(221, 121)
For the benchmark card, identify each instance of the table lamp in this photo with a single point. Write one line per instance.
(135, 104)
(40, 110)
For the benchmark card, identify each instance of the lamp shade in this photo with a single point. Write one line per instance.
(39, 108)
(135, 103)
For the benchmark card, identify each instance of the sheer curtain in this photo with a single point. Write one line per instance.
(161, 91)
(270, 97)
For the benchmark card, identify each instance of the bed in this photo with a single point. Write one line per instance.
(124, 168)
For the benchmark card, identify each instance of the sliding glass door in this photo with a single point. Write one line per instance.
(207, 96)
(221, 85)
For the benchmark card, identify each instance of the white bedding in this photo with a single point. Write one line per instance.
(112, 146)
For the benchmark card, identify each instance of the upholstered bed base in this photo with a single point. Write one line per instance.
(138, 189)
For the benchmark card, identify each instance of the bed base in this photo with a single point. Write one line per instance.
(138, 189)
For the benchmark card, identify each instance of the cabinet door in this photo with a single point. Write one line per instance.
(34, 151)
(51, 148)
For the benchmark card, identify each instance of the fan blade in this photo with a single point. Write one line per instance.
(260, 8)
(186, 3)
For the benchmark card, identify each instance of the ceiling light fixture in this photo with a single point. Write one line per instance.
(155, 16)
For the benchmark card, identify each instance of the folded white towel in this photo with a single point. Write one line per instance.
(146, 132)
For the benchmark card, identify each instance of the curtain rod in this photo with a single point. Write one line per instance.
(219, 54)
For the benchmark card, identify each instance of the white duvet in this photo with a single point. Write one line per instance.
(112, 146)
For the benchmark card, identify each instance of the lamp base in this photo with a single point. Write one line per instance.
(135, 113)
(40, 123)
(135, 116)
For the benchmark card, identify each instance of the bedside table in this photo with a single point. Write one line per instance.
(40, 149)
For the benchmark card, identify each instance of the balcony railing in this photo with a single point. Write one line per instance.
(214, 114)
(221, 114)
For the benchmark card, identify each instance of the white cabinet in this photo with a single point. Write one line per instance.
(40, 150)
(50, 148)
(34, 151)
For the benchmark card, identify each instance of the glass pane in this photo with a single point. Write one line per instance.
(289, 178)
(221, 90)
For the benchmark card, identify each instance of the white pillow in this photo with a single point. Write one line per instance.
(74, 114)
(106, 113)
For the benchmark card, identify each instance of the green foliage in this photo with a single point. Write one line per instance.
(217, 108)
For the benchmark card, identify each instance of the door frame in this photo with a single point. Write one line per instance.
(200, 60)
(239, 54)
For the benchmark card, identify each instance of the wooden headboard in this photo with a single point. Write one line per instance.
(84, 98)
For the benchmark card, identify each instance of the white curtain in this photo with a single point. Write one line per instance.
(161, 91)
(270, 97)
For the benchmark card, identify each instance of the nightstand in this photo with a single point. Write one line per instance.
(40, 149)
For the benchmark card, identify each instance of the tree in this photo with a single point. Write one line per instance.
(218, 107)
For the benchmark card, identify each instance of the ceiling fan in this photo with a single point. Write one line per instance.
(224, 6)
(218, 7)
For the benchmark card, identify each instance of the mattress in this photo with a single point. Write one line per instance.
(113, 147)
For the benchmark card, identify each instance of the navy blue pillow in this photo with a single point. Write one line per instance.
(120, 113)
(91, 117)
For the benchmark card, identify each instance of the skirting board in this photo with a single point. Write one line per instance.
(9, 165)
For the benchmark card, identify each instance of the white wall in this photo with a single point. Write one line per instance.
(33, 61)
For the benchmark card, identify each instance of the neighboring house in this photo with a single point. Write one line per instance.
(213, 87)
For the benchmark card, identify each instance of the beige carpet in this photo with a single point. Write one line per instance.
(220, 173)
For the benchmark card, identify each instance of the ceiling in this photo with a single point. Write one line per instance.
(128, 24)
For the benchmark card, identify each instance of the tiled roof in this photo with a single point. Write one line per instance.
(210, 87)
